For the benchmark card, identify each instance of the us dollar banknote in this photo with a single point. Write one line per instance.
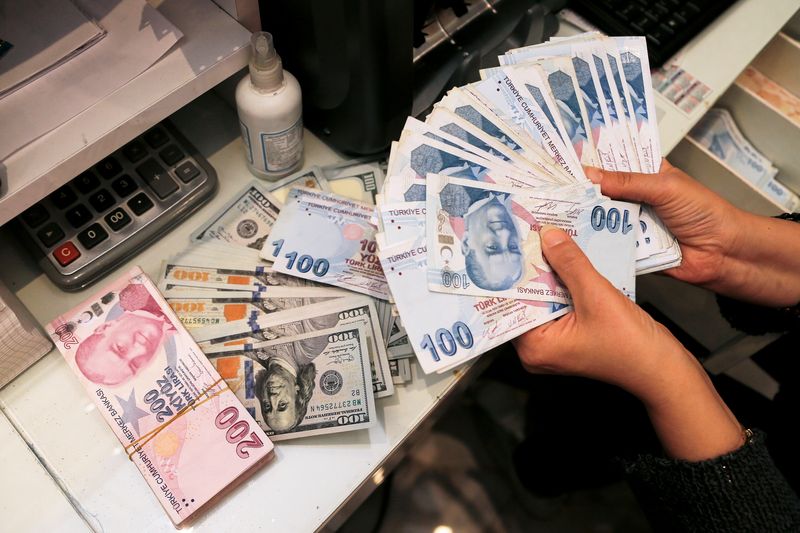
(357, 180)
(312, 178)
(256, 278)
(245, 220)
(203, 312)
(353, 310)
(310, 384)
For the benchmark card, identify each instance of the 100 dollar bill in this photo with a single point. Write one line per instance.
(352, 310)
(245, 220)
(310, 384)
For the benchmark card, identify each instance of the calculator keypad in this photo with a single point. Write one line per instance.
(132, 192)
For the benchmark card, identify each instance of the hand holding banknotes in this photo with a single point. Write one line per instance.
(725, 249)
(608, 338)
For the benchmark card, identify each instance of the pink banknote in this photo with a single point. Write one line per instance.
(179, 422)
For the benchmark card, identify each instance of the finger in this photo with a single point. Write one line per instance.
(631, 186)
(571, 265)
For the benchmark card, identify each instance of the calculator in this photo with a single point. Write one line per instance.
(125, 202)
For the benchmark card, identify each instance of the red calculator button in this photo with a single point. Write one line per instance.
(66, 253)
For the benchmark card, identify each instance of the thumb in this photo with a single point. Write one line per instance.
(571, 264)
(631, 186)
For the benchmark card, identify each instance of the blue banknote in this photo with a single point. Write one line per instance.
(636, 69)
(416, 155)
(447, 330)
(466, 106)
(484, 240)
(327, 238)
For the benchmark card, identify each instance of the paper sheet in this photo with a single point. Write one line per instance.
(138, 35)
(44, 34)
(21, 342)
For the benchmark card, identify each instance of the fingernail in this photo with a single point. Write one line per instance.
(552, 235)
(595, 175)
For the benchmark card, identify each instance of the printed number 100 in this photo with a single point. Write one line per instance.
(304, 263)
(447, 341)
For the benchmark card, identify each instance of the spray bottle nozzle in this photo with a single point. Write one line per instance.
(263, 49)
(266, 70)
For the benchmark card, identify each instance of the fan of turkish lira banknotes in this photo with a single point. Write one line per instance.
(437, 256)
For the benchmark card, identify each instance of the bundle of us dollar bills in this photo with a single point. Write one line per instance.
(305, 345)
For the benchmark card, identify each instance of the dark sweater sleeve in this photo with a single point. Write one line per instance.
(740, 491)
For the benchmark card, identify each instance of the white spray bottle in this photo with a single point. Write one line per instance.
(270, 111)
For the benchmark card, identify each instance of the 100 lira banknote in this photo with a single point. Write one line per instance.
(329, 239)
(484, 239)
(446, 330)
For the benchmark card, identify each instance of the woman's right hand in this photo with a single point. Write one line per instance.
(725, 249)
(704, 224)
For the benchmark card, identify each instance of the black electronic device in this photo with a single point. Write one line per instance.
(366, 65)
(668, 25)
(120, 205)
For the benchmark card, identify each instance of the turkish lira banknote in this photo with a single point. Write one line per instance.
(327, 238)
(165, 403)
(484, 239)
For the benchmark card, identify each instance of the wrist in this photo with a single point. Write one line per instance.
(761, 262)
(691, 420)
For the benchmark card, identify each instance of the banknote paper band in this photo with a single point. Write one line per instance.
(142, 441)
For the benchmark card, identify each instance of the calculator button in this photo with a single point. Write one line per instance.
(109, 167)
(171, 154)
(86, 182)
(92, 236)
(66, 253)
(124, 185)
(35, 215)
(101, 200)
(134, 151)
(157, 178)
(117, 219)
(50, 234)
(140, 203)
(78, 216)
(156, 137)
(63, 197)
(186, 171)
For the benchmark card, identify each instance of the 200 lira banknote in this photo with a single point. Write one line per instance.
(161, 397)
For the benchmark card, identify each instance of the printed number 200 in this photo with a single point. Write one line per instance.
(304, 263)
(448, 342)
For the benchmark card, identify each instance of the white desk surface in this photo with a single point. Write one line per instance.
(310, 479)
(304, 485)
